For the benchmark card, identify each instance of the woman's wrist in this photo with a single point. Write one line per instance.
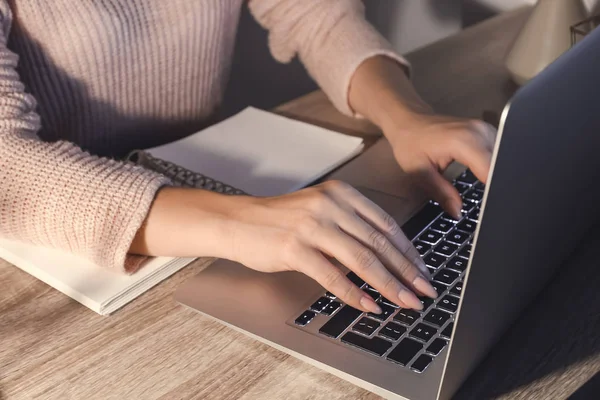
(381, 91)
(399, 118)
(186, 222)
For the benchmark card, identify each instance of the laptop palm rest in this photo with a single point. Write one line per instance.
(264, 307)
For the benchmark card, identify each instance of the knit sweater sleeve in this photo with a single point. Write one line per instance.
(55, 194)
(331, 37)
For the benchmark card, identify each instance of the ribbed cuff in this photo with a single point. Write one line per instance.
(141, 195)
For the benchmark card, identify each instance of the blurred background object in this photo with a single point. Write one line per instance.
(583, 28)
(257, 80)
(545, 37)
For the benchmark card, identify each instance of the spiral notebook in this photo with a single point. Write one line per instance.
(258, 152)
(254, 152)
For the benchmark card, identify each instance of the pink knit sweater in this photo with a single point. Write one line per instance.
(84, 82)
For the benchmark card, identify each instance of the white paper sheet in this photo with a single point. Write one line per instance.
(262, 153)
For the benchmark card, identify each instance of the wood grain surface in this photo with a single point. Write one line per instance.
(53, 348)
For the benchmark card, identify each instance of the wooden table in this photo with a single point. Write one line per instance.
(53, 348)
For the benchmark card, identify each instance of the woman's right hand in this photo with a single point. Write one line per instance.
(302, 231)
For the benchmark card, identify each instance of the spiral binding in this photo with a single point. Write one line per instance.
(180, 176)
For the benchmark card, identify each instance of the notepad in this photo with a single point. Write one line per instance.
(97, 288)
(260, 153)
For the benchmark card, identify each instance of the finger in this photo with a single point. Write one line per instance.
(397, 263)
(490, 133)
(487, 132)
(484, 132)
(365, 264)
(474, 155)
(383, 222)
(438, 188)
(368, 222)
(316, 266)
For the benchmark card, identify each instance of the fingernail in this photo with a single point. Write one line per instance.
(423, 286)
(458, 214)
(410, 300)
(370, 305)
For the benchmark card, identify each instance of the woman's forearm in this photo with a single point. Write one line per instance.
(187, 223)
(381, 91)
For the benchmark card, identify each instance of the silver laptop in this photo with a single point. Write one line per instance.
(543, 195)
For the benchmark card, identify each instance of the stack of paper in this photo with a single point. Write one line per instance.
(97, 288)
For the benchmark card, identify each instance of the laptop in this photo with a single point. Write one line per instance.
(542, 197)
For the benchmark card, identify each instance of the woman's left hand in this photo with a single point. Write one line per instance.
(427, 145)
(424, 143)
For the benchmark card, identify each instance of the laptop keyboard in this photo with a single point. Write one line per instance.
(407, 337)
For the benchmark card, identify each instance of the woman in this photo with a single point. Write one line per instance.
(100, 78)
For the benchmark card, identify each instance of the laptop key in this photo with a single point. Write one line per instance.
(305, 318)
(375, 345)
(421, 363)
(407, 317)
(355, 279)
(422, 247)
(423, 332)
(372, 292)
(439, 287)
(479, 185)
(446, 248)
(405, 351)
(474, 195)
(331, 308)
(320, 304)
(461, 187)
(340, 321)
(330, 295)
(431, 237)
(465, 252)
(467, 207)
(447, 332)
(392, 331)
(370, 288)
(474, 215)
(449, 303)
(386, 311)
(467, 225)
(366, 325)
(434, 260)
(467, 177)
(441, 225)
(420, 220)
(436, 346)
(388, 302)
(457, 289)
(427, 302)
(457, 237)
(457, 263)
(449, 217)
(446, 276)
(437, 317)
